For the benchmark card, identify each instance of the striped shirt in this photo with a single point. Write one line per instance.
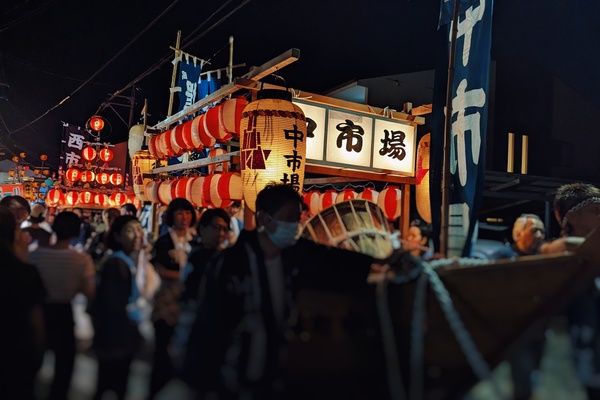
(65, 272)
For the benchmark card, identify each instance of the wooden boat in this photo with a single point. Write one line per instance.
(340, 349)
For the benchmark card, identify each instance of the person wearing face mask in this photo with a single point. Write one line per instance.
(237, 343)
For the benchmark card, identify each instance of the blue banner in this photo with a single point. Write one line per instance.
(187, 81)
(470, 98)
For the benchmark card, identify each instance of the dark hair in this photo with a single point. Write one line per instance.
(66, 225)
(569, 195)
(176, 205)
(425, 228)
(116, 228)
(274, 196)
(8, 228)
(130, 208)
(208, 215)
(9, 199)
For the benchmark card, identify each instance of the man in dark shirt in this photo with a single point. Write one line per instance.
(39, 235)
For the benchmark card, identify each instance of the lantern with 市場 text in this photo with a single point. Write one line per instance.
(272, 144)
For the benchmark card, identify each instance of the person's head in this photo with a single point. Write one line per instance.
(78, 211)
(528, 232)
(128, 209)
(37, 214)
(180, 214)
(213, 227)
(109, 215)
(126, 234)
(8, 228)
(18, 206)
(278, 209)
(417, 237)
(576, 208)
(66, 226)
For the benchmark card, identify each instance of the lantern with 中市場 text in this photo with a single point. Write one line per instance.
(106, 154)
(88, 153)
(422, 196)
(389, 201)
(272, 144)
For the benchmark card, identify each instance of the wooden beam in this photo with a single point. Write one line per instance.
(359, 174)
(197, 163)
(273, 65)
(331, 180)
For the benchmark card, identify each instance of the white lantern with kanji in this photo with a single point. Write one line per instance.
(116, 178)
(389, 201)
(118, 198)
(88, 153)
(86, 197)
(272, 144)
(73, 174)
(88, 176)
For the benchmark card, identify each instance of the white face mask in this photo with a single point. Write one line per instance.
(285, 234)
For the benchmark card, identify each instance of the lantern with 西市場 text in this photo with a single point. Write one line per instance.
(272, 144)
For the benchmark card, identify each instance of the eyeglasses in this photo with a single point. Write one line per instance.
(220, 228)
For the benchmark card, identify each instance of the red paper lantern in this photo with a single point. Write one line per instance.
(213, 124)
(369, 194)
(103, 178)
(116, 179)
(229, 186)
(327, 199)
(136, 202)
(161, 146)
(118, 198)
(210, 192)
(178, 139)
(86, 197)
(180, 188)
(389, 202)
(87, 176)
(311, 199)
(73, 174)
(164, 192)
(345, 195)
(106, 154)
(96, 123)
(100, 199)
(223, 166)
(200, 136)
(152, 148)
(231, 115)
(151, 191)
(186, 135)
(71, 198)
(54, 197)
(195, 192)
(88, 153)
(172, 140)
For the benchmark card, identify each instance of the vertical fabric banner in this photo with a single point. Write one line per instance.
(187, 80)
(470, 98)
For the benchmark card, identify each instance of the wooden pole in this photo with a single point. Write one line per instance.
(448, 134)
(510, 159)
(174, 76)
(524, 154)
(230, 74)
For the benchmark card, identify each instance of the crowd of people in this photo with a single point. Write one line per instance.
(222, 298)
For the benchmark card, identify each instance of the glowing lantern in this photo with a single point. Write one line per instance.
(97, 123)
(186, 135)
(106, 154)
(199, 135)
(161, 146)
(103, 178)
(43, 157)
(231, 115)
(213, 124)
(15, 159)
(141, 163)
(136, 202)
(153, 149)
(73, 174)
(100, 199)
(46, 172)
(151, 191)
(54, 197)
(86, 197)
(345, 195)
(88, 154)
(311, 199)
(11, 173)
(22, 172)
(220, 190)
(87, 176)
(229, 186)
(177, 139)
(327, 199)
(273, 143)
(389, 202)
(195, 192)
(369, 194)
(136, 139)
(164, 192)
(36, 171)
(116, 178)
(422, 197)
(118, 198)
(180, 188)
(172, 140)
(22, 155)
(222, 166)
(71, 198)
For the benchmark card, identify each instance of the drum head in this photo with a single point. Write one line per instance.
(357, 225)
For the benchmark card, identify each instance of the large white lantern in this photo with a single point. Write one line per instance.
(273, 143)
